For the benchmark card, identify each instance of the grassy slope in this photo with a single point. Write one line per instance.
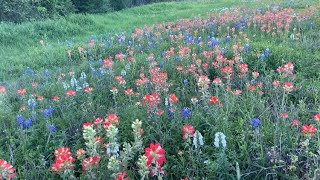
(20, 44)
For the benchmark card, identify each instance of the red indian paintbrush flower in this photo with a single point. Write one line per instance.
(22, 92)
(188, 131)
(87, 125)
(98, 121)
(113, 119)
(88, 90)
(3, 90)
(122, 176)
(155, 154)
(214, 100)
(129, 92)
(71, 93)
(203, 82)
(64, 160)
(173, 99)
(81, 153)
(316, 117)
(308, 130)
(295, 123)
(284, 115)
(288, 87)
(90, 163)
(56, 98)
(6, 170)
(152, 100)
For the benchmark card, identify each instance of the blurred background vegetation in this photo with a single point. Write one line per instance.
(29, 10)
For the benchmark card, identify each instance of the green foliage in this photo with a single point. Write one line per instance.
(93, 6)
(26, 10)
(18, 11)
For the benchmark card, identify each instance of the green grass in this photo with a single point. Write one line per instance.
(20, 44)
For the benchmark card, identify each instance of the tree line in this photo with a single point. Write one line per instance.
(28, 10)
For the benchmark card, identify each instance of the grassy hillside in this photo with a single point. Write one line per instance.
(20, 44)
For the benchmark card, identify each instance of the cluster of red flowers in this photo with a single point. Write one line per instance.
(129, 92)
(203, 82)
(214, 100)
(6, 170)
(71, 93)
(111, 119)
(64, 160)
(309, 129)
(2, 90)
(90, 163)
(288, 87)
(188, 131)
(22, 92)
(120, 80)
(152, 100)
(155, 154)
(108, 63)
(173, 99)
(122, 176)
(88, 90)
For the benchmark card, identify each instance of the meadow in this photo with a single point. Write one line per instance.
(184, 90)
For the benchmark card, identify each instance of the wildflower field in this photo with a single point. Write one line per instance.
(229, 94)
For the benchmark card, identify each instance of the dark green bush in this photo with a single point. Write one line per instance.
(18, 11)
(26, 10)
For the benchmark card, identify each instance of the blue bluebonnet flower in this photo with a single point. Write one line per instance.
(199, 40)
(256, 123)
(239, 25)
(311, 25)
(89, 52)
(48, 112)
(267, 52)
(263, 57)
(114, 150)
(228, 38)
(164, 54)
(46, 73)
(248, 48)
(185, 82)
(52, 128)
(20, 120)
(186, 113)
(197, 139)
(220, 137)
(223, 50)
(29, 70)
(213, 27)
(100, 62)
(215, 42)
(32, 119)
(28, 123)
(123, 72)
(32, 103)
(170, 113)
(201, 143)
(161, 65)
